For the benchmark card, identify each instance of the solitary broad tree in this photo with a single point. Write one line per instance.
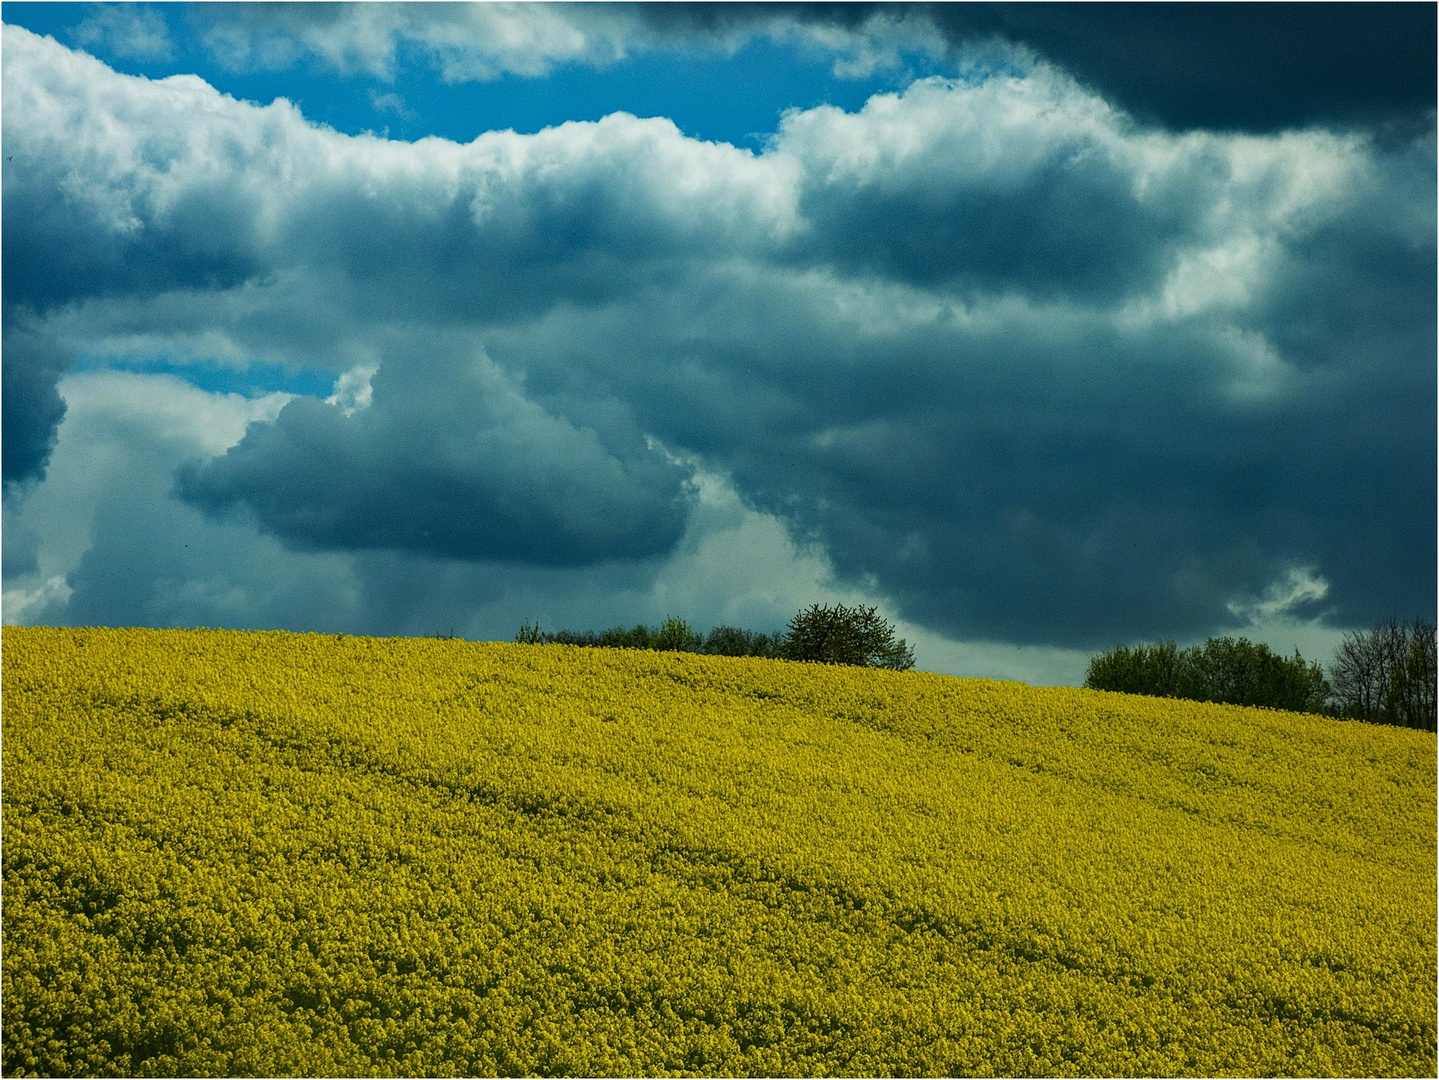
(843, 635)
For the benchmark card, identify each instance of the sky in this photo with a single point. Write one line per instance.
(1039, 327)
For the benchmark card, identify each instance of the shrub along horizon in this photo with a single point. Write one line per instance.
(857, 636)
(1229, 671)
(673, 635)
(1387, 675)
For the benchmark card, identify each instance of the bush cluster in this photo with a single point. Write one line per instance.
(820, 634)
(672, 635)
(1386, 675)
(1230, 671)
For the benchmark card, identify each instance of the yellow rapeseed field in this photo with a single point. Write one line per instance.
(273, 853)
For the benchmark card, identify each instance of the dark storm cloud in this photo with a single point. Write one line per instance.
(521, 224)
(1250, 67)
(1073, 468)
(1136, 513)
(1056, 213)
(1034, 371)
(450, 461)
(1235, 67)
(1043, 475)
(66, 241)
(1253, 67)
(32, 409)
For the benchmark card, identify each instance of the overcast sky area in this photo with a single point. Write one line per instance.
(1040, 327)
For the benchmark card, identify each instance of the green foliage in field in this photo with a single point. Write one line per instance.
(734, 641)
(857, 636)
(843, 635)
(673, 635)
(230, 853)
(1226, 670)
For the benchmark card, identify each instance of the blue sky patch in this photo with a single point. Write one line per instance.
(255, 380)
(712, 96)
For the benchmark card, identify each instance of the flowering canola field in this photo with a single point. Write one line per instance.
(272, 853)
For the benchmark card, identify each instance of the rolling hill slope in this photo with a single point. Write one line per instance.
(271, 853)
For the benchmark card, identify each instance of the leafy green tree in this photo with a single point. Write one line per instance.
(843, 635)
(675, 635)
(1154, 670)
(1236, 671)
(1229, 670)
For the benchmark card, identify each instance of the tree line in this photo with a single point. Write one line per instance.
(1385, 675)
(819, 634)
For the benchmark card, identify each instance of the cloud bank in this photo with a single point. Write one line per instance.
(990, 349)
(1257, 68)
(482, 42)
